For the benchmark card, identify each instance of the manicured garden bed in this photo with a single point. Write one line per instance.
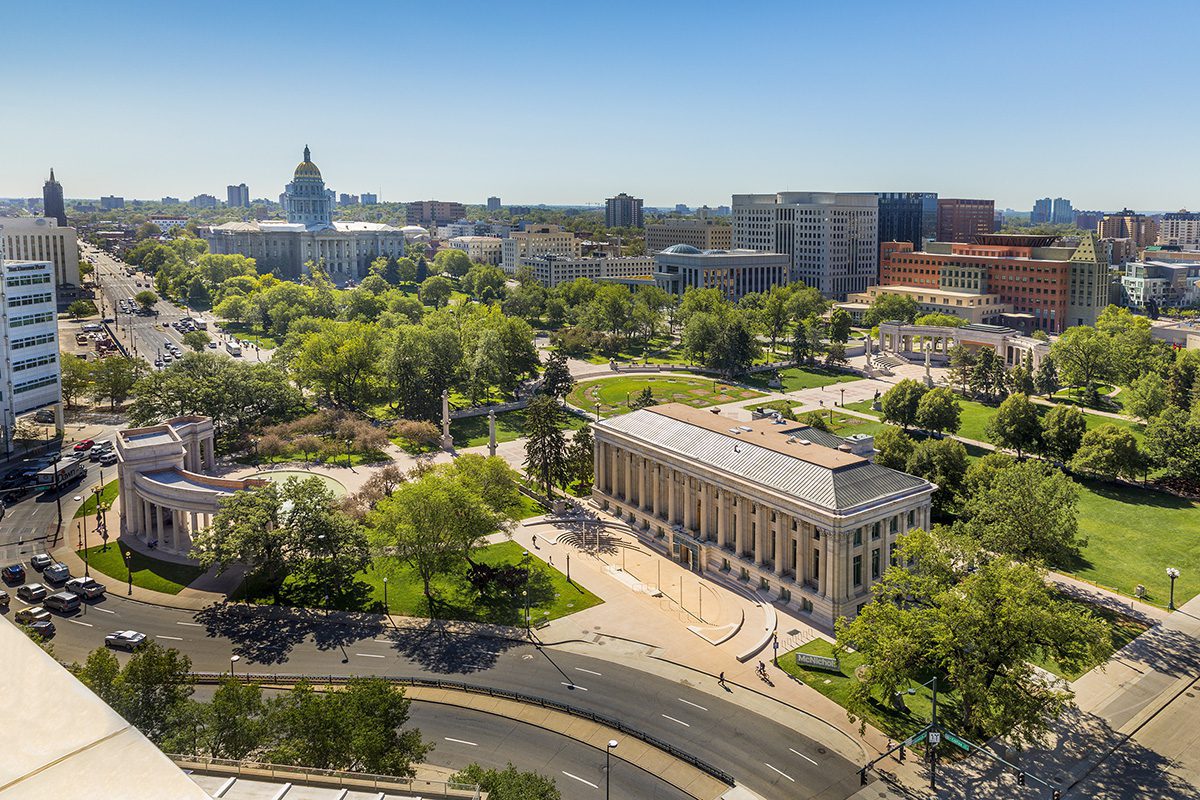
(794, 379)
(510, 425)
(615, 394)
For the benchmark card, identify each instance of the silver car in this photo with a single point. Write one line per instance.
(57, 572)
(125, 640)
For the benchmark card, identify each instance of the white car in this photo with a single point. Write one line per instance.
(85, 587)
(126, 640)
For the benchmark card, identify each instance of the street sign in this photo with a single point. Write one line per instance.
(954, 740)
(916, 738)
(935, 737)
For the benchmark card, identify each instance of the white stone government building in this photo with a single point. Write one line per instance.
(308, 235)
(784, 507)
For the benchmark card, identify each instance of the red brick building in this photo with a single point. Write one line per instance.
(963, 220)
(1047, 288)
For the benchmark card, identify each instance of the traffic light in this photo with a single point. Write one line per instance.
(1020, 779)
(862, 776)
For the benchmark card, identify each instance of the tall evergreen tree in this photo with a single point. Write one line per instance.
(545, 444)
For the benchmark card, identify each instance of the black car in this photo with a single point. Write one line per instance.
(13, 573)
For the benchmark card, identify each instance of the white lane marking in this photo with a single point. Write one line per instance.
(84, 624)
(681, 722)
(581, 780)
(105, 610)
(781, 772)
(172, 638)
(806, 758)
(190, 624)
(383, 641)
(693, 705)
(369, 655)
(574, 686)
(588, 671)
(460, 741)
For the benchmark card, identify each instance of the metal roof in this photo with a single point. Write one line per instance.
(838, 489)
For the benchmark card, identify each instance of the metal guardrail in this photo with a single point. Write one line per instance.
(437, 683)
(328, 777)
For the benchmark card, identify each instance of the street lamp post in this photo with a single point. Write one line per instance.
(843, 403)
(597, 412)
(233, 660)
(348, 443)
(1172, 573)
(386, 610)
(612, 745)
(128, 571)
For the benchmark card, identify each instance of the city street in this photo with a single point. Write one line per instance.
(769, 758)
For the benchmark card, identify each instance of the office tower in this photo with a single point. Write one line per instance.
(963, 220)
(831, 237)
(903, 217)
(237, 196)
(52, 201)
(369, 198)
(1042, 211)
(703, 234)
(623, 211)
(433, 212)
(1127, 224)
(493, 204)
(1062, 214)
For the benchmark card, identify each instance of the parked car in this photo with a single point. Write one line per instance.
(108, 459)
(40, 561)
(13, 573)
(125, 640)
(44, 415)
(63, 602)
(4, 599)
(86, 444)
(85, 587)
(32, 592)
(43, 627)
(57, 572)
(32, 614)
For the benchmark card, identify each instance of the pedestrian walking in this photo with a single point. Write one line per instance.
(721, 680)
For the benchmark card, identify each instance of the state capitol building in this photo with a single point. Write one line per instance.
(310, 235)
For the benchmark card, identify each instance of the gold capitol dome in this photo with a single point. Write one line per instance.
(306, 168)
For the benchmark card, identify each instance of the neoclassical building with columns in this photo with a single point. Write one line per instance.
(165, 496)
(784, 507)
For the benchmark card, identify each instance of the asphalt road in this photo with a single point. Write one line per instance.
(768, 758)
(25, 524)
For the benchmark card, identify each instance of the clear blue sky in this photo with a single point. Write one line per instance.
(561, 102)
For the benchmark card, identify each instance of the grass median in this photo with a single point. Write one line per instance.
(154, 574)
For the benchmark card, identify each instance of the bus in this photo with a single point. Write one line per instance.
(67, 472)
(233, 348)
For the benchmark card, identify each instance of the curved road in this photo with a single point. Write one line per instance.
(767, 757)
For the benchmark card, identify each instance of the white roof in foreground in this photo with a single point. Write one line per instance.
(67, 742)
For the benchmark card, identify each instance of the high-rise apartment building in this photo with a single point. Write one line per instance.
(433, 212)
(1044, 287)
(370, 199)
(29, 369)
(111, 203)
(907, 217)
(831, 237)
(1042, 211)
(1088, 220)
(204, 201)
(623, 211)
(237, 196)
(52, 201)
(493, 204)
(1063, 213)
(1180, 229)
(1127, 224)
(703, 234)
(963, 220)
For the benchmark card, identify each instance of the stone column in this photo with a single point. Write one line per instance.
(146, 527)
(597, 467)
(722, 517)
(491, 431)
(672, 497)
(742, 527)
(761, 531)
(781, 537)
(688, 498)
(643, 494)
(447, 439)
(705, 507)
(823, 574)
(657, 492)
(162, 526)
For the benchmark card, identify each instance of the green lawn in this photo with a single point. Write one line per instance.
(660, 350)
(837, 687)
(797, 378)
(551, 596)
(614, 394)
(847, 425)
(249, 333)
(975, 417)
(1123, 630)
(510, 425)
(148, 573)
(107, 495)
(1133, 536)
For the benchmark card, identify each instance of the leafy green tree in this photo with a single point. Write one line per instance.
(432, 524)
(900, 403)
(962, 366)
(938, 319)
(944, 462)
(80, 309)
(1015, 425)
(1146, 397)
(839, 325)
(113, 378)
(484, 282)
(645, 399)
(978, 623)
(891, 307)
(1062, 433)
(557, 380)
(339, 361)
(938, 410)
(988, 375)
(453, 262)
(813, 419)
(1045, 378)
(247, 529)
(735, 347)
(580, 458)
(776, 314)
(197, 340)
(236, 723)
(146, 299)
(545, 444)
(1172, 442)
(509, 783)
(1027, 510)
(892, 448)
(1130, 341)
(1109, 451)
(435, 291)
(805, 302)
(151, 691)
(1020, 380)
(76, 377)
(1083, 357)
